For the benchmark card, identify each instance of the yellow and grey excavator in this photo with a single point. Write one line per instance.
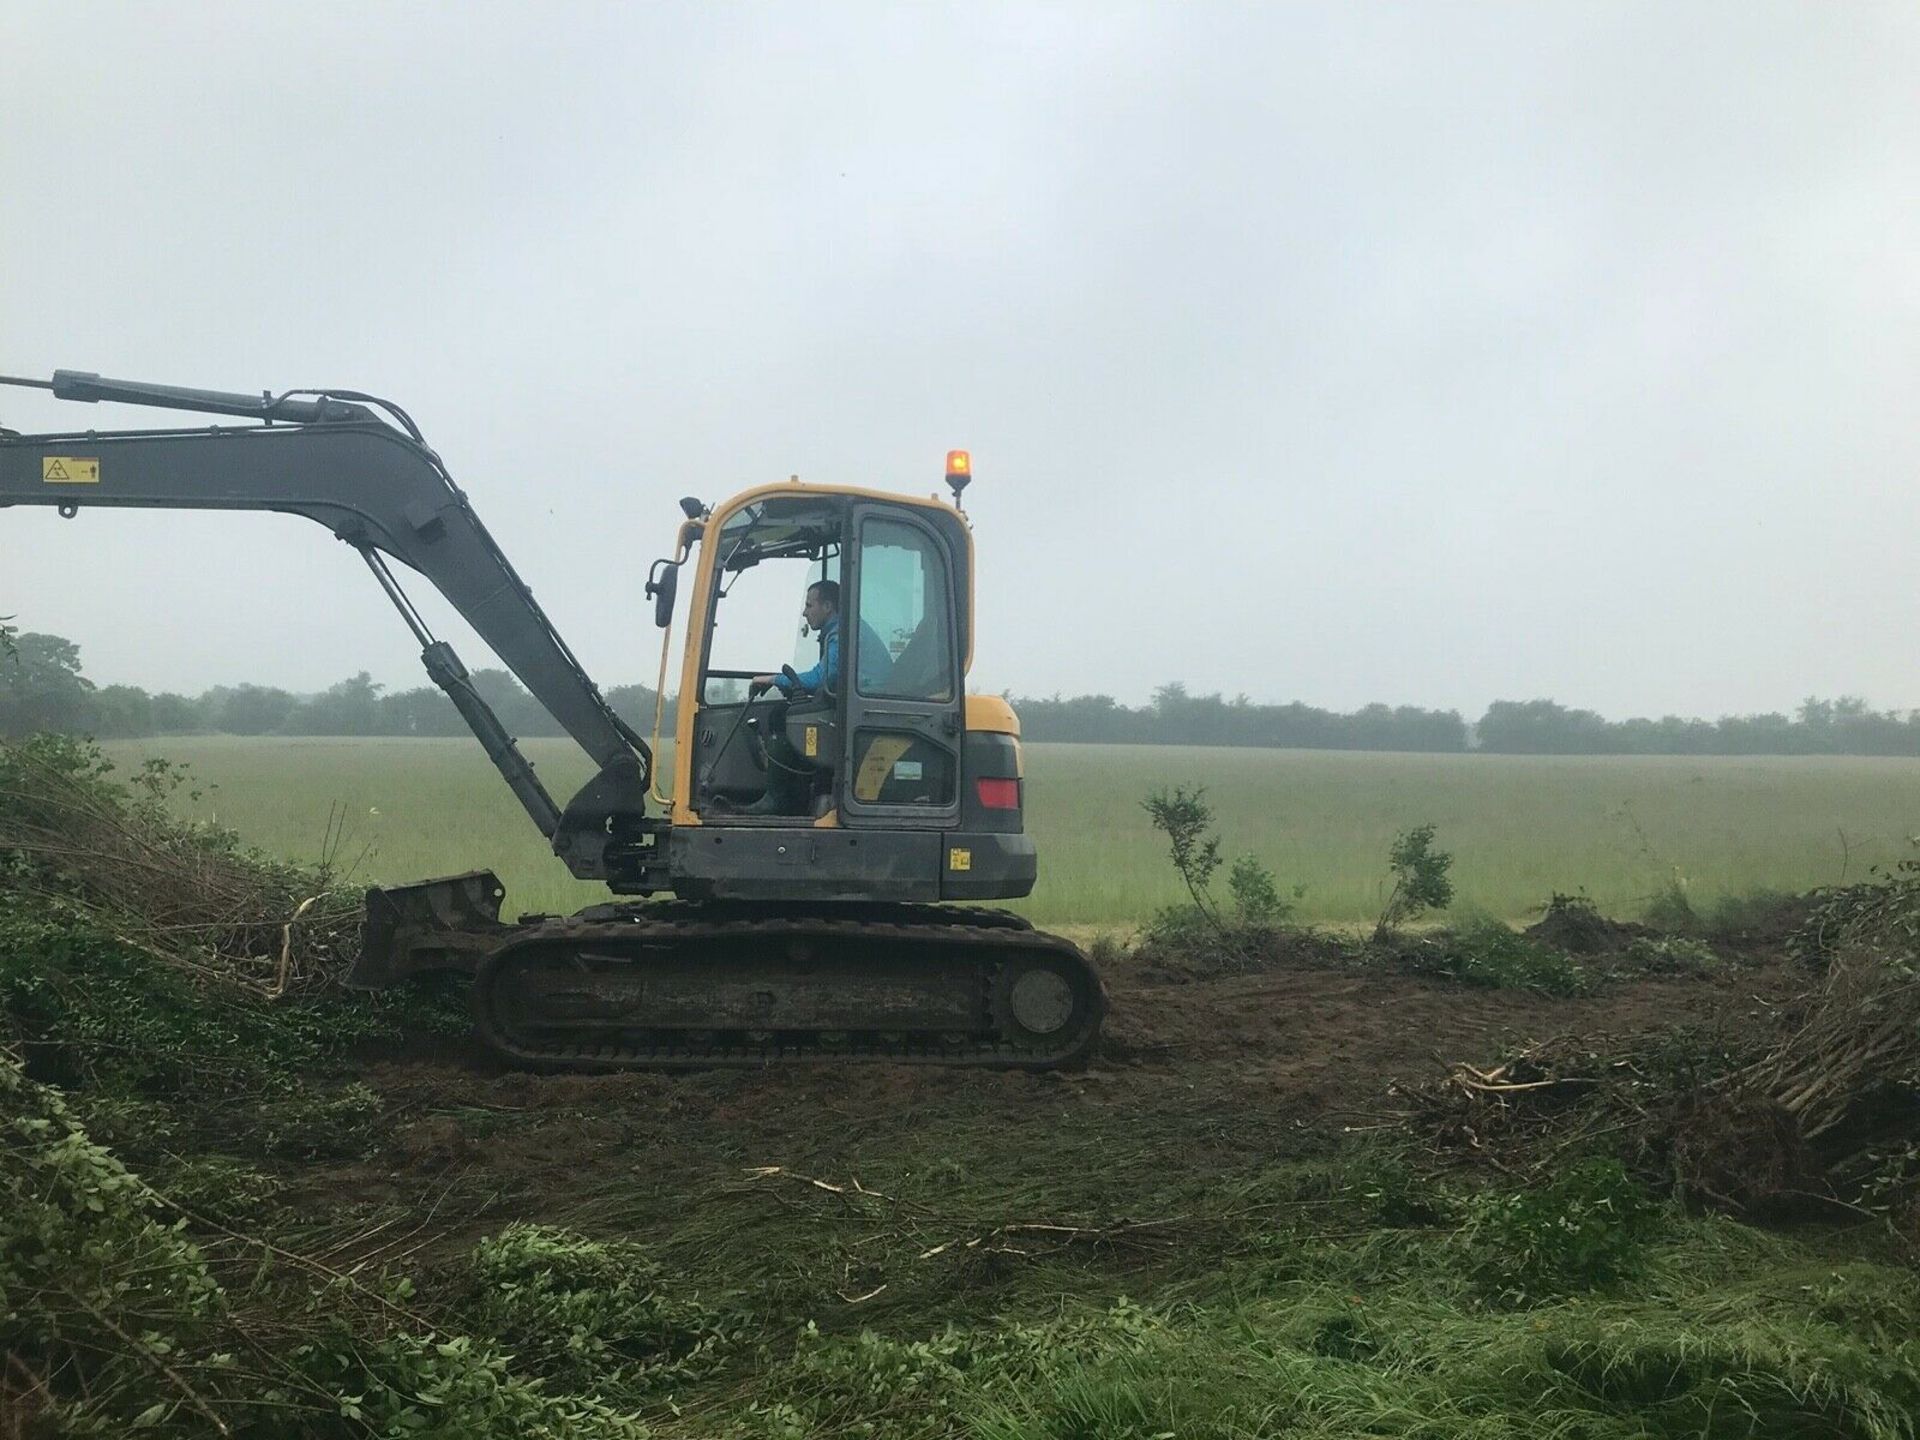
(845, 927)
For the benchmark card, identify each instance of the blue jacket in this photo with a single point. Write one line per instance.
(876, 662)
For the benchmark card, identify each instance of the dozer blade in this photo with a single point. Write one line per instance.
(448, 924)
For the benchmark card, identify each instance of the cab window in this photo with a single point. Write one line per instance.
(769, 553)
(906, 629)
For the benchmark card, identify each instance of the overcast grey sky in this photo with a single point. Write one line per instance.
(1425, 353)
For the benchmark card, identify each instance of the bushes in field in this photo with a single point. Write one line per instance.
(1258, 909)
(1420, 880)
(1202, 933)
(110, 855)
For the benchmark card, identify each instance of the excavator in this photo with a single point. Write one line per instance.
(849, 926)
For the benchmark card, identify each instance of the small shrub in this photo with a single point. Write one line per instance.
(1670, 908)
(1185, 818)
(1583, 1231)
(439, 1387)
(326, 1125)
(1766, 912)
(1184, 932)
(218, 1188)
(590, 1314)
(865, 1384)
(1493, 955)
(1420, 880)
(1393, 1194)
(1197, 929)
(1257, 901)
(1673, 955)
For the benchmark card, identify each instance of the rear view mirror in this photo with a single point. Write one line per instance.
(660, 586)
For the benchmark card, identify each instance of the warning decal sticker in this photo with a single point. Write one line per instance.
(70, 470)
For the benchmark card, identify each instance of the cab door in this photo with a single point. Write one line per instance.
(901, 675)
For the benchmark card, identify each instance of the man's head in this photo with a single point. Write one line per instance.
(823, 603)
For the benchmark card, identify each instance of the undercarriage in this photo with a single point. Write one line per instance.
(683, 985)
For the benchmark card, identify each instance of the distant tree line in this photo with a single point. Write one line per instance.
(1175, 717)
(1847, 726)
(42, 688)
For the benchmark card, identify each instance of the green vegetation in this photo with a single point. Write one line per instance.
(968, 1285)
(1519, 828)
(1420, 880)
(1491, 954)
(1198, 930)
(212, 1223)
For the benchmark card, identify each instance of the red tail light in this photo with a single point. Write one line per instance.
(998, 794)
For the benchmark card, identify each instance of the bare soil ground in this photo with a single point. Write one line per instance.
(1196, 1077)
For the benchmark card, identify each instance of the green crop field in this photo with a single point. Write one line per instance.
(1520, 827)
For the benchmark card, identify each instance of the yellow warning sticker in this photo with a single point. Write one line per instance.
(813, 741)
(958, 859)
(70, 470)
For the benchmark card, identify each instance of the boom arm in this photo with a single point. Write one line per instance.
(387, 494)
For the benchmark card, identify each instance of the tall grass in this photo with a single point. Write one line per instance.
(1520, 827)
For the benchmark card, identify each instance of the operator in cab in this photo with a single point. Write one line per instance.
(789, 777)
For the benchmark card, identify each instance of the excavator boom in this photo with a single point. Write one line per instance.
(380, 488)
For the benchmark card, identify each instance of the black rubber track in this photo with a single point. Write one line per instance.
(594, 974)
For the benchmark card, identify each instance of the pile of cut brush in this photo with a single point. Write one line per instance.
(77, 842)
(1820, 1111)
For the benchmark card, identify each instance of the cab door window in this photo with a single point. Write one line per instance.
(903, 758)
(905, 646)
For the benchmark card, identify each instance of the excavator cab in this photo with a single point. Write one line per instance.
(806, 930)
(905, 787)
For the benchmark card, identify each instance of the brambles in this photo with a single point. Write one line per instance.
(147, 954)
